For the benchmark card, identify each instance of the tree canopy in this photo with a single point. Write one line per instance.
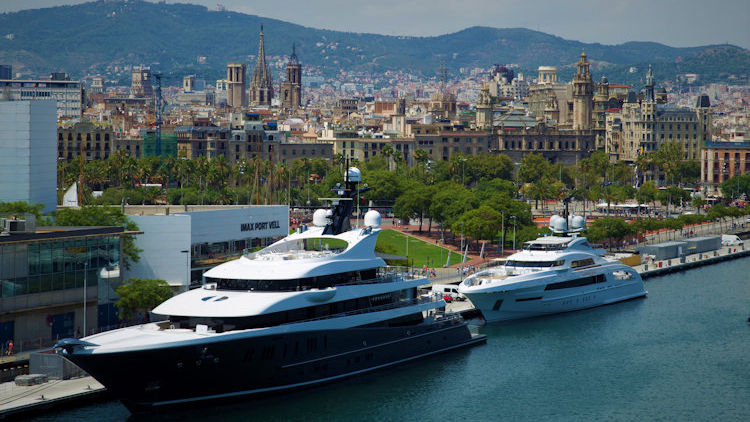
(141, 295)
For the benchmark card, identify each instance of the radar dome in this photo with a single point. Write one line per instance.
(577, 222)
(557, 223)
(372, 219)
(320, 217)
(354, 175)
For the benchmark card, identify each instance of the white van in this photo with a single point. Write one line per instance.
(450, 290)
(730, 240)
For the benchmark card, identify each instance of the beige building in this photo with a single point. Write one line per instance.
(94, 142)
(641, 127)
(291, 88)
(236, 84)
(140, 85)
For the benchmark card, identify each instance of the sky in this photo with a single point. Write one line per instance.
(678, 23)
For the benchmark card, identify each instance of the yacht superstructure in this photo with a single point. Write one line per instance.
(550, 275)
(316, 306)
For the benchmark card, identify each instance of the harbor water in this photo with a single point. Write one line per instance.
(682, 353)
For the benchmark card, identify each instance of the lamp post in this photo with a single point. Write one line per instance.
(462, 235)
(85, 282)
(187, 266)
(513, 217)
(502, 234)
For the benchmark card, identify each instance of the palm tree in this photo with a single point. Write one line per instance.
(387, 151)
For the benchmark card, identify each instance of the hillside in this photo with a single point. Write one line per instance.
(97, 37)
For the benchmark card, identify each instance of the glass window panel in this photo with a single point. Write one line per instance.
(34, 266)
(33, 284)
(58, 281)
(45, 258)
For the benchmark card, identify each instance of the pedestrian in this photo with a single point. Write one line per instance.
(10, 347)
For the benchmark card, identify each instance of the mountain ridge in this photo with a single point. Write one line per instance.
(91, 38)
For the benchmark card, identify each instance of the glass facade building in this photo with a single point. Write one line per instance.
(48, 265)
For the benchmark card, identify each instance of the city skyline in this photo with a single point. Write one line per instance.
(689, 23)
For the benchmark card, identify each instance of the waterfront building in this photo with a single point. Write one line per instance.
(86, 138)
(179, 246)
(519, 134)
(141, 85)
(721, 160)
(550, 100)
(67, 94)
(28, 167)
(42, 272)
(291, 88)
(643, 125)
(261, 83)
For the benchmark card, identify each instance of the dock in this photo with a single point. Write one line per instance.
(20, 401)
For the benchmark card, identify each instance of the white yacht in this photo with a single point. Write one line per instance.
(314, 307)
(550, 275)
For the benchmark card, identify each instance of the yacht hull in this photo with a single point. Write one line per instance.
(147, 380)
(527, 303)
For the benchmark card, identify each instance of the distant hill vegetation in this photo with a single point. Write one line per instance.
(95, 37)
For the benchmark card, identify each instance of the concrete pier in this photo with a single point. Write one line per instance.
(19, 401)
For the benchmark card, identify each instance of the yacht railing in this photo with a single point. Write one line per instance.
(388, 306)
(388, 274)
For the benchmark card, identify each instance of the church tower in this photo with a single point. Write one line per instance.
(261, 86)
(650, 85)
(291, 88)
(484, 109)
(583, 93)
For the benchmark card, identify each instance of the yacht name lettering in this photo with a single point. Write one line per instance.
(261, 225)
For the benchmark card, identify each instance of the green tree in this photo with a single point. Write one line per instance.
(668, 157)
(736, 186)
(688, 171)
(141, 295)
(608, 228)
(533, 168)
(647, 193)
(22, 207)
(102, 216)
(480, 223)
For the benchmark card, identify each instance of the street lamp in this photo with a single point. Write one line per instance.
(502, 234)
(513, 217)
(85, 282)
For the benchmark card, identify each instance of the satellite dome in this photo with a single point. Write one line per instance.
(354, 175)
(320, 217)
(557, 223)
(577, 222)
(372, 219)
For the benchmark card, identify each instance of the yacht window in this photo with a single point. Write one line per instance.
(582, 263)
(294, 284)
(326, 310)
(534, 264)
(578, 282)
(532, 246)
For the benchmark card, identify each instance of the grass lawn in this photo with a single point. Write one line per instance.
(393, 242)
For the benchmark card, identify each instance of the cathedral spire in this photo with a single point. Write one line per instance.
(261, 85)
